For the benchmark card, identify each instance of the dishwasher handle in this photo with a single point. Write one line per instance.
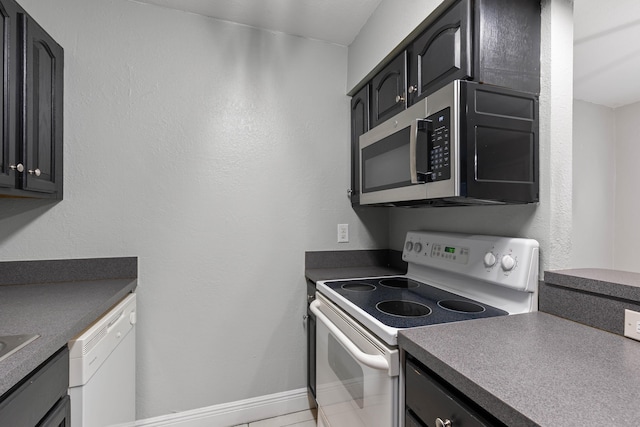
(370, 360)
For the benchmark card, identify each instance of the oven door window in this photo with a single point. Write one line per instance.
(348, 371)
(349, 393)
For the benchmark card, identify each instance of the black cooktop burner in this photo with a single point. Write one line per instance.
(399, 283)
(403, 308)
(393, 301)
(358, 287)
(461, 306)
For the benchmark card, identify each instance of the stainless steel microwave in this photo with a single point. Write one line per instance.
(467, 143)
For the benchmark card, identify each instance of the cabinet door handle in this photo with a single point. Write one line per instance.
(19, 167)
(413, 88)
(399, 98)
(35, 172)
(443, 423)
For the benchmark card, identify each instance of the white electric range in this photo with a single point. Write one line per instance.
(450, 278)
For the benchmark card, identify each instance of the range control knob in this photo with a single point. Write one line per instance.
(508, 263)
(489, 259)
(408, 246)
(417, 247)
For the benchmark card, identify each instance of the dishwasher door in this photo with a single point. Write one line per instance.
(102, 373)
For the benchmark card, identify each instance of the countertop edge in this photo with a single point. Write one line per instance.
(614, 283)
(34, 354)
(474, 391)
(529, 369)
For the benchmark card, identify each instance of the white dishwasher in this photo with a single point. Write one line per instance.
(102, 370)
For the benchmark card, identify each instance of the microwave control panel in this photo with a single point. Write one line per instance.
(439, 146)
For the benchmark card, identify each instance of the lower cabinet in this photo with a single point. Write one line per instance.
(59, 416)
(311, 341)
(429, 401)
(40, 399)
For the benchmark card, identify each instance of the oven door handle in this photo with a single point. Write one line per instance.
(370, 360)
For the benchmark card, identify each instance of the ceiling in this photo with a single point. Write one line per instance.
(335, 21)
(606, 51)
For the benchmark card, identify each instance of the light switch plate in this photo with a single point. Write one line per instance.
(632, 324)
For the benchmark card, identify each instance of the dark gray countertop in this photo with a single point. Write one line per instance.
(316, 274)
(332, 265)
(56, 311)
(535, 368)
(615, 283)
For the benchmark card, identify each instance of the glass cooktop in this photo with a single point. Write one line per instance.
(401, 302)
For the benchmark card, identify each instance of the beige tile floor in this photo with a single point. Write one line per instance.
(296, 419)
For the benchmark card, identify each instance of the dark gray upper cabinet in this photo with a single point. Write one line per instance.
(507, 43)
(442, 53)
(8, 93)
(388, 90)
(31, 120)
(494, 42)
(360, 116)
(42, 92)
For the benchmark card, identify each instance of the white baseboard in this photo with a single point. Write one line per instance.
(234, 413)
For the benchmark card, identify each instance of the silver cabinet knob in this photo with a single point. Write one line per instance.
(35, 172)
(305, 317)
(349, 192)
(441, 423)
(399, 98)
(19, 167)
(412, 88)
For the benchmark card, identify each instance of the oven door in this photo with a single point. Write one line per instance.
(356, 375)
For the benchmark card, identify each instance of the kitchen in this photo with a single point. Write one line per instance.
(257, 177)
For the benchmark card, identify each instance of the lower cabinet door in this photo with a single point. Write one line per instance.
(59, 416)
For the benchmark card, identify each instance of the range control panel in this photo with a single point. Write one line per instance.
(509, 262)
(439, 164)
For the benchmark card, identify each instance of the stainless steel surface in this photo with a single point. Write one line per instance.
(413, 156)
(448, 96)
(19, 167)
(385, 129)
(11, 343)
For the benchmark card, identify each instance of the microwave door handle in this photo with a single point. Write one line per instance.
(413, 152)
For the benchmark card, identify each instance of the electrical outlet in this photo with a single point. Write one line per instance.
(343, 233)
(632, 324)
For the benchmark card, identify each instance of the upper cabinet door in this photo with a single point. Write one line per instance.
(388, 90)
(42, 94)
(359, 125)
(442, 53)
(8, 71)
